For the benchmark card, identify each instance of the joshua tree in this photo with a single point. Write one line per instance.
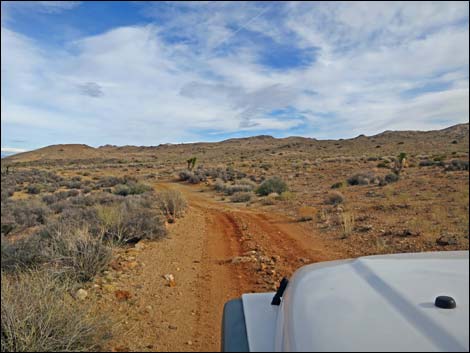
(399, 163)
(191, 163)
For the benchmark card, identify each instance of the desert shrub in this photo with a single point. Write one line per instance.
(391, 178)
(8, 220)
(347, 221)
(27, 213)
(133, 220)
(121, 189)
(232, 189)
(269, 200)
(138, 188)
(219, 185)
(426, 163)
(171, 203)
(286, 196)
(383, 164)
(185, 175)
(131, 188)
(71, 184)
(39, 315)
(334, 198)
(249, 182)
(194, 179)
(337, 185)
(241, 197)
(22, 254)
(266, 166)
(50, 199)
(456, 164)
(110, 181)
(33, 189)
(7, 192)
(274, 184)
(361, 179)
(75, 252)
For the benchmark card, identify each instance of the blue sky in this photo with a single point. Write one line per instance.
(145, 73)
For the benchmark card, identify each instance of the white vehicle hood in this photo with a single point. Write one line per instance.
(376, 303)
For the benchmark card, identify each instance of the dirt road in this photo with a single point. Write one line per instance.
(215, 253)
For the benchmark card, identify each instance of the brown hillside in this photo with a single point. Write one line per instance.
(66, 151)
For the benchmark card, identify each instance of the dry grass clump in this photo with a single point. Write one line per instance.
(347, 220)
(61, 248)
(334, 198)
(132, 220)
(131, 188)
(39, 315)
(75, 252)
(241, 197)
(171, 203)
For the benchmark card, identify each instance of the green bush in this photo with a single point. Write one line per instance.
(274, 184)
(391, 178)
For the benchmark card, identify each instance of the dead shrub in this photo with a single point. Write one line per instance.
(335, 198)
(171, 203)
(133, 220)
(39, 315)
(75, 252)
(241, 197)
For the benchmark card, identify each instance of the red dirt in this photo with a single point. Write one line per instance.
(216, 253)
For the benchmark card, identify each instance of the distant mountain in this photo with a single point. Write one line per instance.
(453, 139)
(65, 151)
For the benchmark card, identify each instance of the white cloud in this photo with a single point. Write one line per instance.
(12, 150)
(135, 85)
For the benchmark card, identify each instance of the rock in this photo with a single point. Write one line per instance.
(447, 239)
(139, 246)
(265, 259)
(241, 259)
(408, 233)
(172, 327)
(109, 288)
(189, 343)
(81, 294)
(131, 265)
(304, 260)
(122, 295)
(170, 279)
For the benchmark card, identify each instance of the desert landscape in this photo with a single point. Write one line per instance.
(137, 248)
